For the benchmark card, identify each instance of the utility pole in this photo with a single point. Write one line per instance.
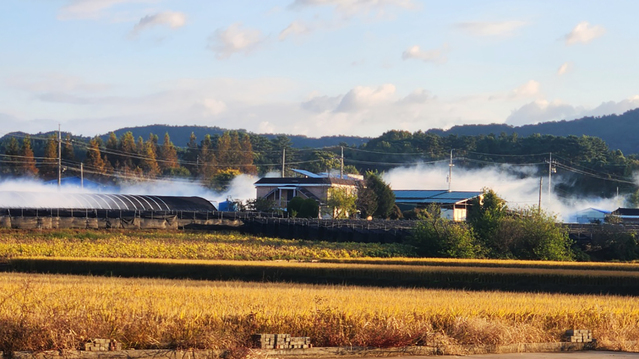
(550, 169)
(450, 170)
(59, 157)
(341, 168)
(81, 174)
(541, 180)
(283, 161)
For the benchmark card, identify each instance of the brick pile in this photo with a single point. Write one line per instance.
(280, 341)
(579, 336)
(102, 345)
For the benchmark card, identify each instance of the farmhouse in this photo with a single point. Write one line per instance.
(453, 204)
(282, 189)
(589, 215)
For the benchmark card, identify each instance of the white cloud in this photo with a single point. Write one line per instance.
(171, 19)
(234, 39)
(435, 55)
(529, 89)
(93, 9)
(503, 28)
(365, 97)
(349, 8)
(584, 33)
(296, 28)
(418, 96)
(564, 68)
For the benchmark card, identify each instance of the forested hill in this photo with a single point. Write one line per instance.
(181, 135)
(618, 131)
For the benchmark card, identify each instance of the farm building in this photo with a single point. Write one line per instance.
(626, 215)
(47, 210)
(309, 185)
(589, 215)
(102, 201)
(453, 204)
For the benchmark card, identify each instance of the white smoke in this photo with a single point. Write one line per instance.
(28, 193)
(519, 186)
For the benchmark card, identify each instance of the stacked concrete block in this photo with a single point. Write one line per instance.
(300, 343)
(263, 341)
(102, 345)
(280, 341)
(579, 336)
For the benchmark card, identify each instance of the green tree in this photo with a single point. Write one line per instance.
(366, 202)
(384, 194)
(341, 202)
(14, 158)
(534, 234)
(485, 215)
(437, 237)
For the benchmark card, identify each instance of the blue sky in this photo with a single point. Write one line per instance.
(313, 67)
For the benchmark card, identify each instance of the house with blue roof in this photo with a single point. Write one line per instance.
(453, 204)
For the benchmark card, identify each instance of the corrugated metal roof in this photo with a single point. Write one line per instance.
(433, 196)
(417, 193)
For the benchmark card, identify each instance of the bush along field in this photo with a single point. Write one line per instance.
(43, 312)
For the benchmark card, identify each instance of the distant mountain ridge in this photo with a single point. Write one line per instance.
(618, 131)
(180, 135)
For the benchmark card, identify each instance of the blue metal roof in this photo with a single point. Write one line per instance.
(433, 196)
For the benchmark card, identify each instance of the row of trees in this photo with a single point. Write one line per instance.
(215, 159)
(492, 231)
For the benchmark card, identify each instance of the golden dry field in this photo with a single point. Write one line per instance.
(181, 245)
(40, 312)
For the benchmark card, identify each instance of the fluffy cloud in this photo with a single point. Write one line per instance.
(564, 68)
(529, 89)
(435, 55)
(503, 28)
(93, 9)
(353, 7)
(584, 33)
(171, 19)
(365, 97)
(295, 28)
(234, 39)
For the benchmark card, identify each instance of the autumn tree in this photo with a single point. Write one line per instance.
(148, 163)
(168, 156)
(247, 155)
(206, 160)
(94, 161)
(49, 168)
(28, 165)
(127, 151)
(67, 148)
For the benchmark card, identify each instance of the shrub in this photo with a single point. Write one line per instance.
(438, 237)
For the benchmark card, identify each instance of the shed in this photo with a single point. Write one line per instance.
(453, 204)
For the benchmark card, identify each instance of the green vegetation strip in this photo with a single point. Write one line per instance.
(475, 278)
